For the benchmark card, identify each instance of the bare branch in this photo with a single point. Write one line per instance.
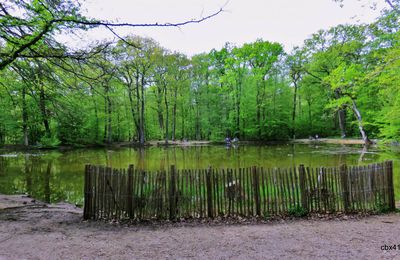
(108, 24)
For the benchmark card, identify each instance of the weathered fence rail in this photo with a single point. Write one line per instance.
(136, 194)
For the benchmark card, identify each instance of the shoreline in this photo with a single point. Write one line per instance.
(350, 141)
(159, 143)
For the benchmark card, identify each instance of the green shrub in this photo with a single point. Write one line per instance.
(298, 212)
(49, 142)
(382, 208)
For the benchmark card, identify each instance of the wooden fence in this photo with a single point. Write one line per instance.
(200, 193)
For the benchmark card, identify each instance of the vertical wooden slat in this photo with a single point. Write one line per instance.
(249, 187)
(188, 194)
(101, 187)
(274, 185)
(217, 184)
(103, 196)
(295, 199)
(249, 192)
(289, 195)
(237, 193)
(302, 186)
(345, 187)
(241, 189)
(224, 191)
(165, 194)
(264, 193)
(390, 185)
(311, 189)
(87, 194)
(256, 190)
(231, 190)
(366, 187)
(339, 203)
(172, 193)
(282, 191)
(315, 172)
(209, 193)
(235, 189)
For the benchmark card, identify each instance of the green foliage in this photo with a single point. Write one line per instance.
(382, 208)
(135, 90)
(49, 142)
(298, 211)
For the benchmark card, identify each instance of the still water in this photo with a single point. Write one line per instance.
(54, 176)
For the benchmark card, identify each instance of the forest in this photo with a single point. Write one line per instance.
(342, 82)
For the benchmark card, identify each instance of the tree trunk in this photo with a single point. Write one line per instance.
(43, 110)
(174, 114)
(142, 131)
(139, 118)
(341, 116)
(258, 112)
(294, 109)
(238, 96)
(96, 114)
(109, 117)
(182, 120)
(197, 124)
(132, 106)
(309, 114)
(25, 117)
(166, 114)
(105, 121)
(360, 124)
(159, 108)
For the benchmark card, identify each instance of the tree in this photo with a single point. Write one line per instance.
(27, 28)
(262, 55)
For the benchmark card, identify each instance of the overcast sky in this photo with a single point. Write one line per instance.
(286, 21)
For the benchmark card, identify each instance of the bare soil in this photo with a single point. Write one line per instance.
(34, 230)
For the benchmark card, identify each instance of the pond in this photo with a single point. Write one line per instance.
(53, 175)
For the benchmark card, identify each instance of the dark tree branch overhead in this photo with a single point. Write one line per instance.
(393, 4)
(167, 24)
(390, 3)
(24, 35)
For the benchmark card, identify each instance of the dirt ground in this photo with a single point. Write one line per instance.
(34, 230)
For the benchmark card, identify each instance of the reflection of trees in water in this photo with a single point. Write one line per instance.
(38, 173)
(362, 154)
(182, 149)
(47, 177)
(3, 165)
(28, 173)
(52, 177)
(140, 162)
(198, 155)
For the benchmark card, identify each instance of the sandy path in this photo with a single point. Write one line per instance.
(38, 231)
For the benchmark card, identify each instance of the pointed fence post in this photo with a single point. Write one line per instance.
(390, 188)
(209, 194)
(172, 193)
(345, 187)
(303, 188)
(256, 189)
(87, 193)
(129, 191)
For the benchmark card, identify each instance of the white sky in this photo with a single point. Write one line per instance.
(286, 21)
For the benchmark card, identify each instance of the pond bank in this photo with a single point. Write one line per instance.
(38, 230)
(331, 141)
(188, 143)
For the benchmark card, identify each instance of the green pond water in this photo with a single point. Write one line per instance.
(54, 176)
